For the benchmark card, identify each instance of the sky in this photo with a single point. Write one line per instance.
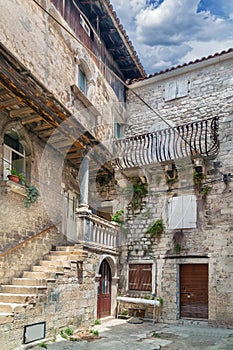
(166, 33)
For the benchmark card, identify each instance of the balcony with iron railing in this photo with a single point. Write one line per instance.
(199, 138)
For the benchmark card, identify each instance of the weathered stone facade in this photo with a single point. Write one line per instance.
(59, 126)
(54, 123)
(209, 94)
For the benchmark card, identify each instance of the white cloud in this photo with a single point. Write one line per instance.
(175, 22)
(176, 31)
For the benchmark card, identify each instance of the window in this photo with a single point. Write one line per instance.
(182, 212)
(82, 81)
(118, 130)
(13, 154)
(140, 277)
(176, 89)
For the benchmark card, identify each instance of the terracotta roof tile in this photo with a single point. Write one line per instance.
(198, 60)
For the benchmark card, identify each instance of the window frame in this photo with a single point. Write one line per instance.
(8, 162)
(82, 80)
(141, 264)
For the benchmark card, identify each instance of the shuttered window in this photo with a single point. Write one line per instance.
(182, 212)
(140, 277)
(176, 89)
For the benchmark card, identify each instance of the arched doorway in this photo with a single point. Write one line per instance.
(104, 290)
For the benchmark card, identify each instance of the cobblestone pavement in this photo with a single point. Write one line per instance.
(120, 335)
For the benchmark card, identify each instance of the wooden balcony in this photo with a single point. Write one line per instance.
(98, 232)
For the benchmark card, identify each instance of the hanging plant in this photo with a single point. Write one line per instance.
(32, 195)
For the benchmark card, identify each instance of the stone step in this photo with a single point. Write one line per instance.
(6, 317)
(53, 262)
(29, 281)
(12, 307)
(22, 289)
(76, 247)
(48, 268)
(68, 254)
(39, 275)
(17, 298)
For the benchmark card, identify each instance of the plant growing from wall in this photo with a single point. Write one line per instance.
(156, 229)
(117, 217)
(177, 248)
(178, 242)
(197, 178)
(140, 190)
(205, 190)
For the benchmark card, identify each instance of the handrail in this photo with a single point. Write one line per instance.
(28, 240)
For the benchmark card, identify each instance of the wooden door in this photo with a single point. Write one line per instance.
(194, 291)
(104, 291)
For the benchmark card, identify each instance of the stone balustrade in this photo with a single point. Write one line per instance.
(97, 231)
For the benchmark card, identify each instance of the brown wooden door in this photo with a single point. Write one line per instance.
(194, 291)
(104, 291)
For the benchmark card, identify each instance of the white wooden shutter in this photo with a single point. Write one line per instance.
(182, 212)
(176, 89)
(170, 91)
(6, 162)
(182, 88)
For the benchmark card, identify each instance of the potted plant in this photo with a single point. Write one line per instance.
(31, 191)
(15, 176)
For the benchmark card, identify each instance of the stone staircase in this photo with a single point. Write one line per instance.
(26, 291)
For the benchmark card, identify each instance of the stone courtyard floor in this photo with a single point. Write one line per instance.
(117, 334)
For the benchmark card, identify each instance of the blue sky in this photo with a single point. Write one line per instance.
(166, 33)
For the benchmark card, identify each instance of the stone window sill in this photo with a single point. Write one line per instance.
(84, 99)
(10, 186)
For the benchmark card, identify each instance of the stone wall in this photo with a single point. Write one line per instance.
(22, 257)
(68, 301)
(52, 56)
(210, 94)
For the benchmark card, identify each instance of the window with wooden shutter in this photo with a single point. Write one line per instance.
(182, 212)
(140, 277)
(176, 89)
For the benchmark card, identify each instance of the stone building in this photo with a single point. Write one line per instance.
(176, 156)
(63, 64)
(158, 148)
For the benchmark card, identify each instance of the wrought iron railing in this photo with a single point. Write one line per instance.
(199, 138)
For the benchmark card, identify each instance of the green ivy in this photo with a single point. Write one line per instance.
(117, 217)
(157, 228)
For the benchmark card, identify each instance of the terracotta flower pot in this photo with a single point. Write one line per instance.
(13, 178)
